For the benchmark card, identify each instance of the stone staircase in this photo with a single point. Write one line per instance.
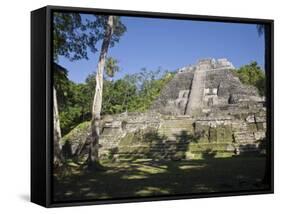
(247, 148)
(176, 129)
(170, 142)
(173, 138)
(244, 137)
(111, 134)
(195, 101)
(166, 149)
(245, 140)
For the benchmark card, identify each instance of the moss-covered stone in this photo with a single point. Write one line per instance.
(213, 135)
(141, 149)
(260, 126)
(175, 138)
(73, 144)
(201, 147)
(127, 140)
(78, 134)
(252, 127)
(224, 134)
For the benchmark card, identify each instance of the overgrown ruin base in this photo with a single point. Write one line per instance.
(158, 137)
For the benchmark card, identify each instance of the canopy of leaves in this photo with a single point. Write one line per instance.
(252, 74)
(132, 93)
(74, 35)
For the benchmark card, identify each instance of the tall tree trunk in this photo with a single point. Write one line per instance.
(58, 159)
(93, 157)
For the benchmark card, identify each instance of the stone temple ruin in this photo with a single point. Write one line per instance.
(203, 110)
(207, 87)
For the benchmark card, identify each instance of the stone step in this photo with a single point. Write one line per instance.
(162, 143)
(177, 125)
(237, 140)
(245, 137)
(151, 148)
(245, 141)
(197, 92)
(150, 153)
(250, 141)
(160, 157)
(248, 147)
(244, 134)
(174, 132)
(154, 148)
(175, 128)
(174, 137)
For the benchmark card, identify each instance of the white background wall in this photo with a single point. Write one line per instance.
(15, 105)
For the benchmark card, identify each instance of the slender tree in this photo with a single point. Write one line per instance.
(58, 158)
(93, 158)
(113, 30)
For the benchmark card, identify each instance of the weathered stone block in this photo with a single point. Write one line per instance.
(260, 126)
(259, 135)
(213, 138)
(252, 127)
(260, 119)
(224, 134)
(250, 119)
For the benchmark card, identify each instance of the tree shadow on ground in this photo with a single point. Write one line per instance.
(208, 154)
(161, 147)
(140, 178)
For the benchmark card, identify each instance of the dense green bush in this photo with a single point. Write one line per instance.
(252, 74)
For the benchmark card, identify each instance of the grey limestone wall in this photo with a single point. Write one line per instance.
(169, 100)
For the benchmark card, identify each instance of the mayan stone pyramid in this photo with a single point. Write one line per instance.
(209, 87)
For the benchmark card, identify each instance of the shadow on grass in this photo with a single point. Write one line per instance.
(138, 178)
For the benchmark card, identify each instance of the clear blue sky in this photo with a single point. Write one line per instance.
(171, 44)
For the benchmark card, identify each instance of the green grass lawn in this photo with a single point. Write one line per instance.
(138, 178)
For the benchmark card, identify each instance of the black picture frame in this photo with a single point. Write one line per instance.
(41, 103)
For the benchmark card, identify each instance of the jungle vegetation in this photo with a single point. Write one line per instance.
(132, 93)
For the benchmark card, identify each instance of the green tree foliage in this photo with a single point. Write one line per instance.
(73, 36)
(117, 96)
(62, 85)
(149, 84)
(252, 74)
(111, 67)
(132, 93)
(75, 106)
(73, 99)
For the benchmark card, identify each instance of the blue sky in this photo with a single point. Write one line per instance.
(171, 44)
